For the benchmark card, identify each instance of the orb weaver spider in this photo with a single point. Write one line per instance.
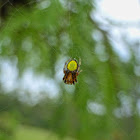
(71, 70)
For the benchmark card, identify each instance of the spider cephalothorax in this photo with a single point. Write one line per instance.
(71, 71)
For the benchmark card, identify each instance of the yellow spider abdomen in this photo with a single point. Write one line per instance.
(72, 65)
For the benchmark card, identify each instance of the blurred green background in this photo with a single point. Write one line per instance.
(36, 38)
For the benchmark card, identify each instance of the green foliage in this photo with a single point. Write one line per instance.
(37, 38)
(26, 132)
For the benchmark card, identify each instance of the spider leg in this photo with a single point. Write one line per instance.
(64, 70)
(67, 61)
(65, 66)
(79, 64)
(79, 61)
(72, 75)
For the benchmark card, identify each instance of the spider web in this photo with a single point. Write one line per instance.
(101, 55)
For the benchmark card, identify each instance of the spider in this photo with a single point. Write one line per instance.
(71, 70)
